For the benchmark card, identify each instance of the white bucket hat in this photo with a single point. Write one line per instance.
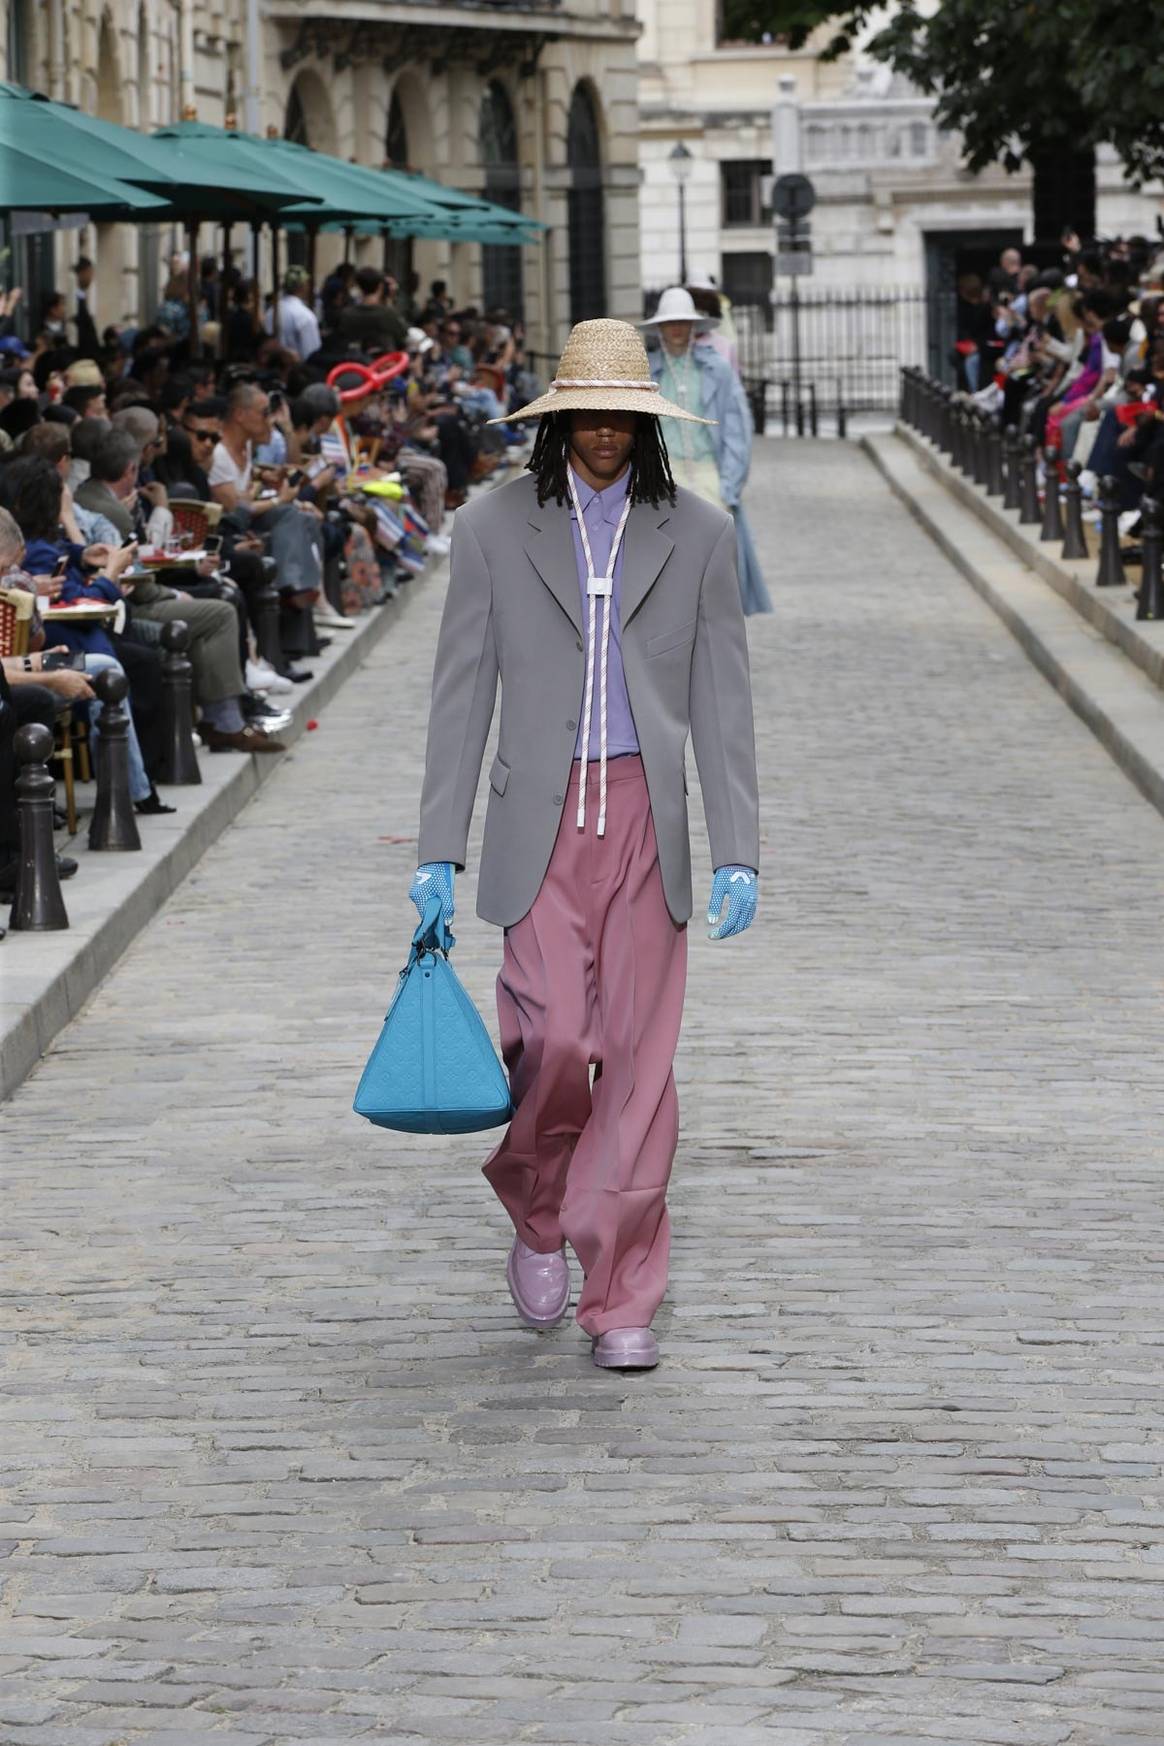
(604, 368)
(677, 304)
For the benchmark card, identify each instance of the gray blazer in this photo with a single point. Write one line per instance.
(514, 612)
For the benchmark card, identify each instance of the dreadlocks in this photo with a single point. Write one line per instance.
(650, 470)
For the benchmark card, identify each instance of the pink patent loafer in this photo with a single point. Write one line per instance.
(626, 1349)
(539, 1284)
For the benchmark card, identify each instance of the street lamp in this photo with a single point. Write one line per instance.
(681, 160)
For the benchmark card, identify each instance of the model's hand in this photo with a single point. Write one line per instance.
(739, 887)
(433, 879)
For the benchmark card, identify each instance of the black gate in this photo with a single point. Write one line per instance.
(845, 346)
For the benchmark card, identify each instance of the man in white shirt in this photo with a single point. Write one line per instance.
(293, 323)
(291, 529)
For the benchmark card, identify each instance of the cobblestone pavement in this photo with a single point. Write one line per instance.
(281, 1466)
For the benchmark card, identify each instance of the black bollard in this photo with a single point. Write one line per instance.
(1029, 512)
(903, 402)
(994, 480)
(1012, 491)
(946, 420)
(1052, 528)
(1111, 565)
(114, 824)
(1074, 538)
(982, 424)
(962, 448)
(38, 903)
(179, 759)
(267, 639)
(1150, 599)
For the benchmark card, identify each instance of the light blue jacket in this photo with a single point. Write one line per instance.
(723, 399)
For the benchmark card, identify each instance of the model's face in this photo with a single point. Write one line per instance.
(676, 335)
(600, 445)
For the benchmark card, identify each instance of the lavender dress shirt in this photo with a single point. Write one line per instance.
(600, 511)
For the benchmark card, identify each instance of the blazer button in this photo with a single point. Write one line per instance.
(558, 799)
(572, 725)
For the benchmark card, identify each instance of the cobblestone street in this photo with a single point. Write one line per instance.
(282, 1467)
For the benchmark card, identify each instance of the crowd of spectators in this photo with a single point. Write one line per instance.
(307, 460)
(1074, 355)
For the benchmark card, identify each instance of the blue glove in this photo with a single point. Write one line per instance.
(433, 878)
(739, 885)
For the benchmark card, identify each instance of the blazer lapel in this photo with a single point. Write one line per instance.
(549, 546)
(647, 549)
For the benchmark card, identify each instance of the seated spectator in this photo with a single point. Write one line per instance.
(288, 525)
(214, 645)
(29, 486)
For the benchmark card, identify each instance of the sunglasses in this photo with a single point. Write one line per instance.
(202, 436)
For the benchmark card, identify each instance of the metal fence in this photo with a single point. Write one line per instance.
(852, 344)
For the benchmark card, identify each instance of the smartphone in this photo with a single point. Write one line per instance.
(295, 476)
(58, 658)
(212, 545)
(129, 540)
(61, 569)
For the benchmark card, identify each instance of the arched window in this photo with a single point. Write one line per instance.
(398, 250)
(500, 263)
(587, 219)
(295, 129)
(396, 138)
(18, 43)
(295, 119)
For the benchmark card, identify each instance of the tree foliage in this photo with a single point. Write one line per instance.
(1017, 78)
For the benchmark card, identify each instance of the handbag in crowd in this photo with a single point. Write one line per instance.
(434, 1069)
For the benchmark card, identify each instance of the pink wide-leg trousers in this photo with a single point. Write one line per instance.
(595, 975)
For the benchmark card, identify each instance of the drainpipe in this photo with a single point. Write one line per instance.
(187, 95)
(253, 46)
(57, 50)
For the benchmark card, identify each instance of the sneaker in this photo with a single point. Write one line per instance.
(261, 677)
(333, 621)
(439, 544)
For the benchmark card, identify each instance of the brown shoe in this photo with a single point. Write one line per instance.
(247, 739)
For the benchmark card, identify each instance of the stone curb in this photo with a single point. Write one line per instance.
(45, 978)
(1112, 612)
(1117, 700)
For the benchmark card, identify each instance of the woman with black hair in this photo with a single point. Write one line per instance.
(604, 602)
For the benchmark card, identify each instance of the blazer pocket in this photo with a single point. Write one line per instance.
(498, 776)
(672, 639)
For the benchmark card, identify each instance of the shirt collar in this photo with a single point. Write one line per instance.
(610, 500)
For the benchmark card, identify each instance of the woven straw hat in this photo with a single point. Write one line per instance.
(604, 368)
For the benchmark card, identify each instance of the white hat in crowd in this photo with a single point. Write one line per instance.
(677, 304)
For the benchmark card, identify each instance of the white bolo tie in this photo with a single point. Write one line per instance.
(597, 588)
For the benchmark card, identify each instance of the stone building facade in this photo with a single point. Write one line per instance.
(534, 105)
(894, 205)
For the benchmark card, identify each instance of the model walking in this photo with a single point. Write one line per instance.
(712, 459)
(605, 601)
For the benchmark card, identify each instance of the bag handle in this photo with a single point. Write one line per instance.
(432, 933)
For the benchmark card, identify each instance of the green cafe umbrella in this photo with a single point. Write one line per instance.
(29, 184)
(348, 193)
(193, 185)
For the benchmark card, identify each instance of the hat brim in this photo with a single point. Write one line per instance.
(701, 323)
(603, 400)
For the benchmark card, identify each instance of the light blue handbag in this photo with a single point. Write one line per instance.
(434, 1069)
